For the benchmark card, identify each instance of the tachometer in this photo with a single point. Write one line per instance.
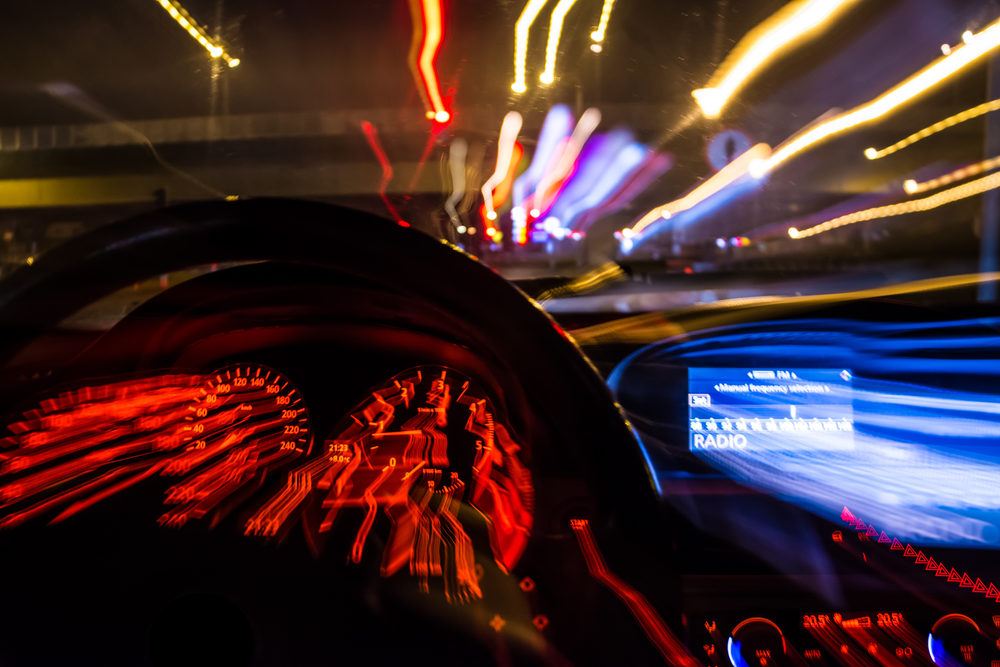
(427, 449)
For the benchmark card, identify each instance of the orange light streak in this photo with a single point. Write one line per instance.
(505, 149)
(502, 190)
(729, 174)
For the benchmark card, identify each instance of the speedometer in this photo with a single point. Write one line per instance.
(244, 420)
(248, 404)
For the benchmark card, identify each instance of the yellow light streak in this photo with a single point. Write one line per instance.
(650, 327)
(505, 149)
(184, 20)
(950, 121)
(521, 30)
(552, 47)
(767, 41)
(605, 274)
(913, 187)
(970, 189)
(944, 67)
(602, 25)
(725, 177)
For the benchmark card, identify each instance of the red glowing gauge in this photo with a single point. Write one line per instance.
(244, 419)
(428, 451)
(215, 435)
(247, 402)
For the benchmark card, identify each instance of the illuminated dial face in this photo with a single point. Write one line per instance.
(425, 449)
(247, 403)
(217, 436)
(243, 420)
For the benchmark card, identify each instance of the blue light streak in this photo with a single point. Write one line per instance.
(624, 162)
(557, 127)
(925, 459)
(735, 657)
(591, 167)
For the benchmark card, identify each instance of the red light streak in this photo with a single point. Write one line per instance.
(371, 135)
(926, 563)
(669, 646)
(429, 33)
(224, 435)
(392, 454)
(87, 445)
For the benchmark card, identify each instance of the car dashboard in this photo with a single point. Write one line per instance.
(326, 451)
(318, 452)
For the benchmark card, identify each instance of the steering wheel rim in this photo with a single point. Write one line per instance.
(66, 278)
(70, 276)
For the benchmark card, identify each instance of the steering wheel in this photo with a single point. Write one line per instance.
(554, 378)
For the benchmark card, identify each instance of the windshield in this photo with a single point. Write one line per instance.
(804, 147)
(273, 393)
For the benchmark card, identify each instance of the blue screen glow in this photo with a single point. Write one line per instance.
(899, 422)
(770, 409)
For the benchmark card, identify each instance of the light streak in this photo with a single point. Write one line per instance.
(457, 153)
(944, 67)
(552, 47)
(563, 162)
(557, 126)
(950, 121)
(655, 326)
(185, 21)
(914, 187)
(654, 166)
(616, 171)
(602, 26)
(671, 648)
(729, 174)
(432, 33)
(594, 157)
(502, 190)
(765, 42)
(371, 136)
(605, 274)
(521, 30)
(505, 148)
(964, 191)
